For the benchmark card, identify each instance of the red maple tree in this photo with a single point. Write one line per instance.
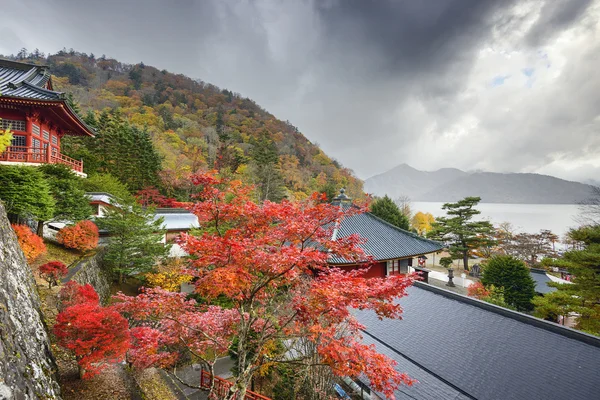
(82, 236)
(32, 245)
(151, 197)
(97, 335)
(52, 271)
(270, 261)
(74, 293)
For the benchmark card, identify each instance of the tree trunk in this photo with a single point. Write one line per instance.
(40, 229)
(466, 260)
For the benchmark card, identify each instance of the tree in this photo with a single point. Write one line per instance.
(387, 210)
(582, 297)
(25, 193)
(73, 293)
(169, 275)
(71, 202)
(265, 163)
(421, 222)
(52, 271)
(589, 211)
(270, 260)
(5, 138)
(531, 247)
(404, 204)
(82, 236)
(459, 231)
(512, 276)
(134, 245)
(108, 184)
(97, 336)
(32, 245)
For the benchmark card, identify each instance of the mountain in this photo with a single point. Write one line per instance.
(448, 185)
(195, 125)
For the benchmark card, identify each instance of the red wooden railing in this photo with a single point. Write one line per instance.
(221, 388)
(39, 155)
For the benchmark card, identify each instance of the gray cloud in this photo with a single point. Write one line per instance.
(377, 83)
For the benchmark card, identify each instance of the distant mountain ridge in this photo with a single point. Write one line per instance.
(451, 184)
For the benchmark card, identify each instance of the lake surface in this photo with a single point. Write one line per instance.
(530, 218)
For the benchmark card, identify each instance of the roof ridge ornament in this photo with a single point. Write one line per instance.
(341, 198)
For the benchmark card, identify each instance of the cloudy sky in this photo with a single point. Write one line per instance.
(494, 85)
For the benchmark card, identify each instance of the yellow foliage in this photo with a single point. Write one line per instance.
(169, 276)
(422, 222)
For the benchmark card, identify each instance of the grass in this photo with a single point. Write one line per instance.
(57, 252)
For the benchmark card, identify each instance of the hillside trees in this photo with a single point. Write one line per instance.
(386, 209)
(459, 231)
(270, 261)
(512, 276)
(134, 245)
(176, 111)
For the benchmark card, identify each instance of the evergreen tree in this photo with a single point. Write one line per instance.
(108, 184)
(459, 231)
(583, 296)
(25, 193)
(119, 149)
(265, 164)
(65, 187)
(387, 210)
(512, 276)
(134, 245)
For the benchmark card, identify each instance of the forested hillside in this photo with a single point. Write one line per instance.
(155, 128)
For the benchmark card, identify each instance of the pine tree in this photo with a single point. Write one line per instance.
(135, 240)
(65, 187)
(459, 231)
(583, 295)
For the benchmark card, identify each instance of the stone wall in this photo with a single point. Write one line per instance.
(26, 363)
(89, 270)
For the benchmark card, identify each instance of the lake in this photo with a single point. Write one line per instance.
(530, 218)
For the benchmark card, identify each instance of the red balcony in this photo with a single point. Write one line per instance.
(38, 155)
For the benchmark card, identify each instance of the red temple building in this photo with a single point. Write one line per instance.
(37, 116)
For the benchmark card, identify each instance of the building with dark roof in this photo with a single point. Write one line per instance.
(541, 279)
(462, 348)
(37, 115)
(392, 248)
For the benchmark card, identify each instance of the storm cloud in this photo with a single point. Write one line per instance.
(493, 85)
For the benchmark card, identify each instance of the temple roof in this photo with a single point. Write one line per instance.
(462, 348)
(21, 82)
(26, 81)
(384, 241)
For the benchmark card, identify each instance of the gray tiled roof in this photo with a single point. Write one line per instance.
(541, 280)
(26, 81)
(384, 241)
(460, 348)
(177, 219)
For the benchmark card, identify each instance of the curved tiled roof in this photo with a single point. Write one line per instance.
(26, 81)
(21, 82)
(384, 241)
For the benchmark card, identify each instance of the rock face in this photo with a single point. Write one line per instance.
(90, 271)
(26, 363)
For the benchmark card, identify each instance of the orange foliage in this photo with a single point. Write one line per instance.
(478, 291)
(32, 245)
(82, 236)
